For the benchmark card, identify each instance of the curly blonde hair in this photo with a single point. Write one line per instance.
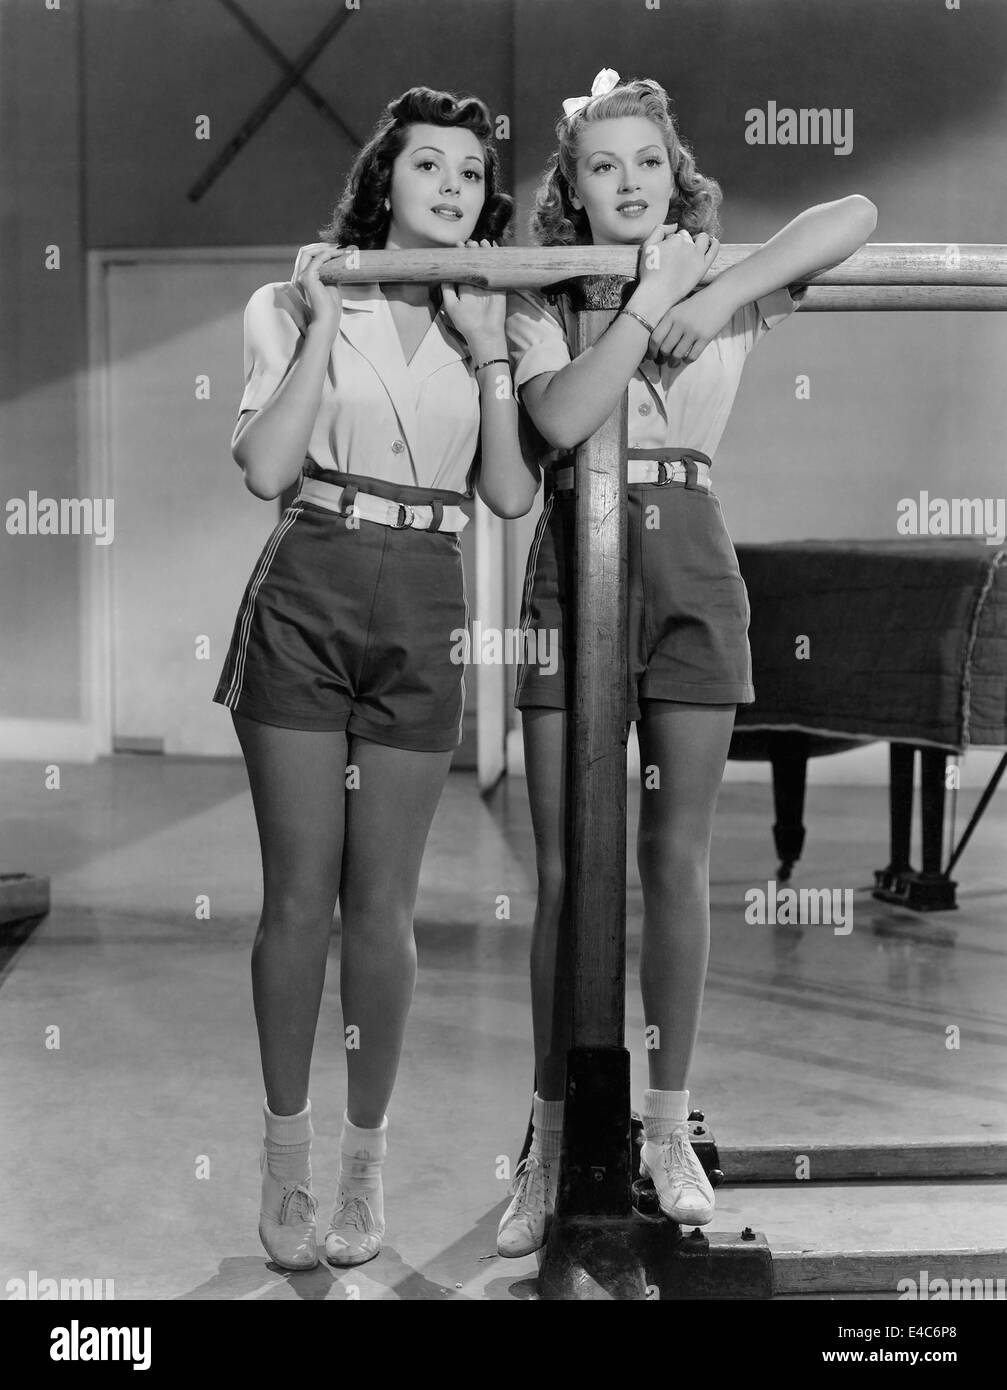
(694, 204)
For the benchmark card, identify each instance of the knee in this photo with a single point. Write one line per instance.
(551, 884)
(298, 909)
(674, 867)
(382, 920)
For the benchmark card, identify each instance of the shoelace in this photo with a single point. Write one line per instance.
(680, 1148)
(530, 1184)
(300, 1203)
(355, 1212)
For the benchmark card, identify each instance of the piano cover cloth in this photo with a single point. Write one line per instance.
(908, 639)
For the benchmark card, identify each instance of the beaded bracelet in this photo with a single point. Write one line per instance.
(489, 363)
(639, 318)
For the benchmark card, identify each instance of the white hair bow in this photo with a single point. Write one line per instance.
(601, 86)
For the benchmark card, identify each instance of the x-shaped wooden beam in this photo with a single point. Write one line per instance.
(293, 77)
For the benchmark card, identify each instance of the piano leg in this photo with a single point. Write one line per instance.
(888, 882)
(789, 752)
(930, 890)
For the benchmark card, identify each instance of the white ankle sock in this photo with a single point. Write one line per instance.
(547, 1127)
(288, 1144)
(663, 1111)
(361, 1158)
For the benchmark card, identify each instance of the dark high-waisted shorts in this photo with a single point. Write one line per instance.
(688, 613)
(353, 627)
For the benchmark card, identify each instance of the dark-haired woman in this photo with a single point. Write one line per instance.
(342, 676)
(622, 176)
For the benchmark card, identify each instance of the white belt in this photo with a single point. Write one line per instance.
(647, 471)
(368, 507)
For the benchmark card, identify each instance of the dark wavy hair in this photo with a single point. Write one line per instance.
(360, 217)
(694, 204)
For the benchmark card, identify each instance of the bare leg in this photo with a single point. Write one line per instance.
(297, 781)
(545, 766)
(388, 818)
(688, 745)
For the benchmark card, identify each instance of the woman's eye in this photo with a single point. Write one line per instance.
(473, 174)
(653, 159)
(605, 164)
(426, 164)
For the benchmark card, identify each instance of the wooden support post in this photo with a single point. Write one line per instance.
(590, 1252)
(596, 788)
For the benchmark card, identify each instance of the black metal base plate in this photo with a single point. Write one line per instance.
(640, 1259)
(917, 891)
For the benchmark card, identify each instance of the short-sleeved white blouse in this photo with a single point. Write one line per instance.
(687, 406)
(415, 423)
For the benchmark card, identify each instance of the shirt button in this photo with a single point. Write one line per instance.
(398, 446)
(644, 409)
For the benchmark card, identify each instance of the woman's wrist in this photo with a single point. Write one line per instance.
(482, 349)
(649, 304)
(718, 291)
(321, 333)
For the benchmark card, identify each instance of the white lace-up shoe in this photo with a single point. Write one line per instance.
(287, 1221)
(354, 1235)
(524, 1226)
(683, 1189)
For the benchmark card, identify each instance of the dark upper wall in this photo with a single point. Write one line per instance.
(153, 66)
(928, 88)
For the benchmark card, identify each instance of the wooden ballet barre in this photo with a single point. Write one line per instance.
(911, 276)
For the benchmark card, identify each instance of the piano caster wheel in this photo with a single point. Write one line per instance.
(892, 881)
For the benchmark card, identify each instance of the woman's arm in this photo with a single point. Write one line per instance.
(817, 239)
(506, 481)
(271, 445)
(567, 406)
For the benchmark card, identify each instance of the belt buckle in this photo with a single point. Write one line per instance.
(663, 478)
(410, 517)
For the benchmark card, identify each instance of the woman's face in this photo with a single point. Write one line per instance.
(438, 187)
(624, 181)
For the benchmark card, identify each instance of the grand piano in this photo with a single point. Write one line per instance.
(859, 641)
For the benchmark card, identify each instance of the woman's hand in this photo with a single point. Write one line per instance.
(687, 328)
(672, 263)
(477, 314)
(323, 302)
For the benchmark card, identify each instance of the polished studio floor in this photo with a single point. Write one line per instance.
(808, 1037)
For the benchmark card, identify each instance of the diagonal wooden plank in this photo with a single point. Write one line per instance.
(267, 105)
(312, 93)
